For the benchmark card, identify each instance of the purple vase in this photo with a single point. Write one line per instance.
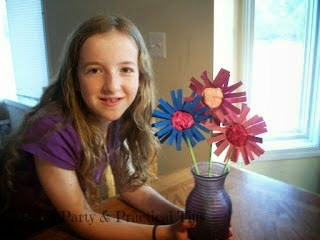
(209, 204)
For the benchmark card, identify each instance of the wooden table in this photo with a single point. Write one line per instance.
(263, 208)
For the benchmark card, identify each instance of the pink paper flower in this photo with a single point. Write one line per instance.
(239, 134)
(217, 95)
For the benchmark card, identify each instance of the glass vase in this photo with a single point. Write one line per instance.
(209, 204)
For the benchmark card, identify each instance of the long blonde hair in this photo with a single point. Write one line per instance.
(137, 143)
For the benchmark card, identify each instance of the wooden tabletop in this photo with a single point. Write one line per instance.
(262, 208)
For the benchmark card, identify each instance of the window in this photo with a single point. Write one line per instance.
(28, 50)
(7, 82)
(278, 60)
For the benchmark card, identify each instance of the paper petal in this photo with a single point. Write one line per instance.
(178, 142)
(216, 138)
(188, 134)
(220, 115)
(195, 103)
(220, 149)
(235, 155)
(164, 130)
(255, 119)
(214, 127)
(197, 135)
(243, 115)
(179, 97)
(229, 120)
(201, 118)
(234, 95)
(232, 87)
(201, 110)
(166, 106)
(254, 139)
(165, 137)
(231, 148)
(237, 100)
(199, 87)
(159, 114)
(255, 148)
(230, 106)
(205, 79)
(188, 99)
(194, 89)
(257, 129)
(202, 127)
(250, 155)
(161, 123)
(244, 155)
(172, 137)
(221, 78)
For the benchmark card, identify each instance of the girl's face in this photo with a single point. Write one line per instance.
(108, 74)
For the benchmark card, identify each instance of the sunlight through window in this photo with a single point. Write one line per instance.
(7, 82)
(278, 60)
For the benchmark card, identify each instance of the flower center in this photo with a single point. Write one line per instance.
(212, 97)
(181, 120)
(236, 135)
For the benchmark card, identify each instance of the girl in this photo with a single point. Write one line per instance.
(95, 114)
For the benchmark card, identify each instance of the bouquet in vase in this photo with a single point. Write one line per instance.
(219, 110)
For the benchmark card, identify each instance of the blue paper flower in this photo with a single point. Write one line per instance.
(182, 120)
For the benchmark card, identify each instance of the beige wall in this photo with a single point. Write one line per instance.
(188, 25)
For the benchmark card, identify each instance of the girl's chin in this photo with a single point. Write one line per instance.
(108, 119)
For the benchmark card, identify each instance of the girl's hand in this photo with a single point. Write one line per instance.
(179, 230)
(230, 234)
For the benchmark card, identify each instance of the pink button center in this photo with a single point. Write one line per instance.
(181, 120)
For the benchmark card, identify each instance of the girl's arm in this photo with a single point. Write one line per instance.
(63, 189)
(147, 200)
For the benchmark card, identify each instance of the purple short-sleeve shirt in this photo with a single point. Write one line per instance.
(30, 206)
(61, 147)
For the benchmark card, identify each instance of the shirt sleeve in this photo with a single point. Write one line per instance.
(60, 147)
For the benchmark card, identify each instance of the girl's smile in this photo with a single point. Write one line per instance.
(108, 74)
(110, 102)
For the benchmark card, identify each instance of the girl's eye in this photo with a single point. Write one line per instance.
(93, 70)
(127, 70)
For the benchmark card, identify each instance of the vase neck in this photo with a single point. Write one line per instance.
(212, 183)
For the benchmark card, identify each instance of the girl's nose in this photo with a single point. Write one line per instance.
(111, 83)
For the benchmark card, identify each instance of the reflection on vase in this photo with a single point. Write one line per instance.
(209, 204)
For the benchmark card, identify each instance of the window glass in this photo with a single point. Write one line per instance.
(7, 82)
(278, 60)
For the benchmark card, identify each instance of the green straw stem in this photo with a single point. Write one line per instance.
(211, 155)
(193, 157)
(210, 158)
(225, 165)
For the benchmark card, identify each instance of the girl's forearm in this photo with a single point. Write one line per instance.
(97, 226)
(147, 200)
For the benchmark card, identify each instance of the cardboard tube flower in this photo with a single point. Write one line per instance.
(217, 95)
(239, 134)
(181, 120)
